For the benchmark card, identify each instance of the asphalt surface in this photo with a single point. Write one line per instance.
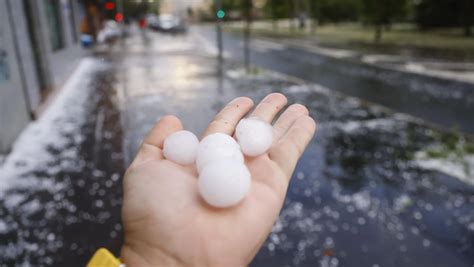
(357, 198)
(447, 103)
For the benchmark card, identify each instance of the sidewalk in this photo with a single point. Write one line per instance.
(60, 187)
(360, 195)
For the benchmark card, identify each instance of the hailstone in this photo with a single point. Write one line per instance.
(254, 135)
(224, 183)
(181, 147)
(216, 147)
(219, 139)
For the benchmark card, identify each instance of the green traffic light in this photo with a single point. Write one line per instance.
(221, 14)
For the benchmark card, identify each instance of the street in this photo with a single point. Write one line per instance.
(444, 102)
(364, 194)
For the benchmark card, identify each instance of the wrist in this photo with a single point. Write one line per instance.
(140, 256)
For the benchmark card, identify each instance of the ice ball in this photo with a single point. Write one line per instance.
(216, 147)
(254, 135)
(181, 147)
(219, 139)
(224, 183)
(209, 155)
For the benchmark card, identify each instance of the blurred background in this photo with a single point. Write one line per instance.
(388, 180)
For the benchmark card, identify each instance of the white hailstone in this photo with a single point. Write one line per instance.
(216, 147)
(181, 147)
(224, 183)
(219, 139)
(254, 135)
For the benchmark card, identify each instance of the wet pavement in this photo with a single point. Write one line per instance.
(447, 103)
(358, 182)
(360, 196)
(60, 188)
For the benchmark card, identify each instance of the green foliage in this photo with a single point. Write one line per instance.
(450, 140)
(451, 143)
(455, 148)
(277, 9)
(445, 13)
(136, 9)
(334, 10)
(229, 5)
(323, 10)
(383, 12)
(469, 148)
(437, 153)
(426, 13)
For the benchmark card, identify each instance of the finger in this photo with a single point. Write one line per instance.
(153, 142)
(289, 116)
(166, 126)
(226, 120)
(269, 107)
(291, 146)
(146, 153)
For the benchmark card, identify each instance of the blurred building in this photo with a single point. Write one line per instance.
(39, 46)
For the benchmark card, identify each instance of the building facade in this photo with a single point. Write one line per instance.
(39, 48)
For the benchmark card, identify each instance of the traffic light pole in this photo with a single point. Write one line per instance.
(122, 27)
(218, 6)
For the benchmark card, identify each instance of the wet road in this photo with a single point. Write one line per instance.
(358, 197)
(443, 102)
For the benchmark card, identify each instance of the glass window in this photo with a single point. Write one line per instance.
(53, 15)
(30, 23)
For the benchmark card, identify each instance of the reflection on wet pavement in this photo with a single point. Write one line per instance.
(445, 102)
(65, 199)
(359, 196)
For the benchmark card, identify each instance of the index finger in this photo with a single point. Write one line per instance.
(166, 126)
(226, 120)
(153, 142)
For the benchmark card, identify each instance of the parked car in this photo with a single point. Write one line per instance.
(167, 23)
(152, 21)
(109, 33)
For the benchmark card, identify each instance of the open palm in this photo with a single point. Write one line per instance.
(167, 223)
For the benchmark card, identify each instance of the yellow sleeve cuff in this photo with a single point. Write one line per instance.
(103, 258)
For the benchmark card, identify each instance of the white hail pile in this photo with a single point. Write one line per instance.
(224, 179)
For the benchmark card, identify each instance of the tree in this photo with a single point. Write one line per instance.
(334, 10)
(467, 16)
(277, 9)
(301, 12)
(382, 13)
(445, 13)
(313, 14)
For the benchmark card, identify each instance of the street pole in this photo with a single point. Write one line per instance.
(218, 6)
(292, 15)
(312, 14)
(248, 21)
(120, 10)
(272, 5)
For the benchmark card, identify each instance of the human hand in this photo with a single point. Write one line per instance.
(167, 223)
